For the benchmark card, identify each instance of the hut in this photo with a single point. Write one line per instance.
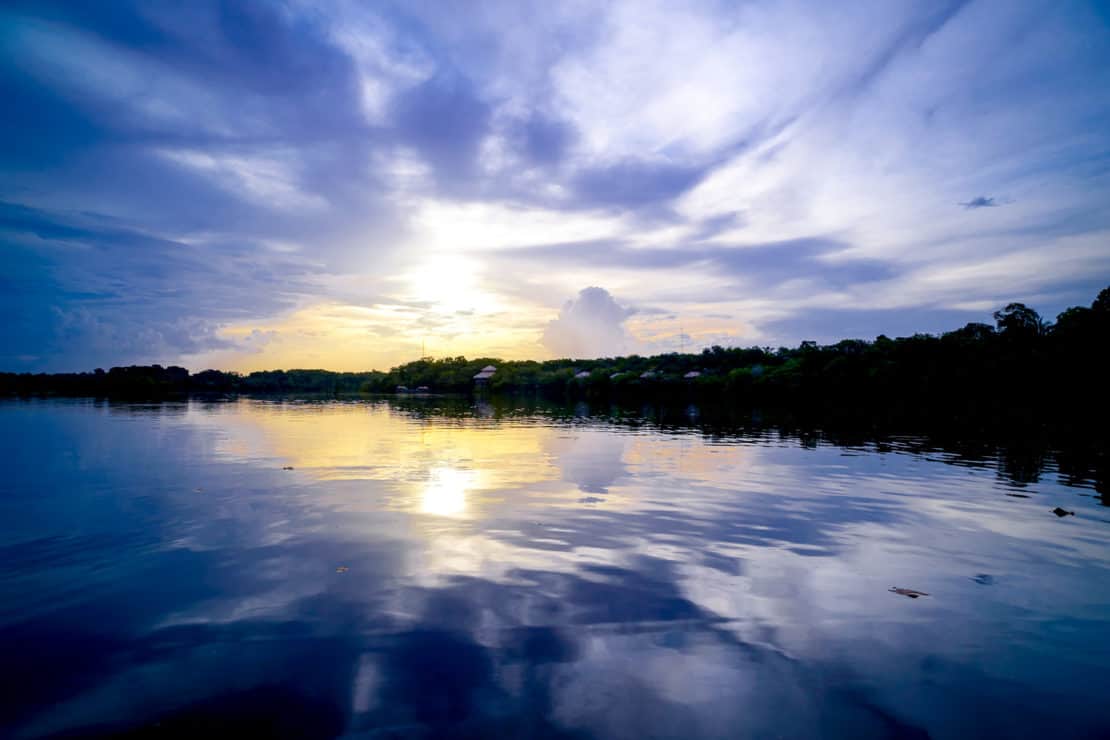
(485, 374)
(582, 375)
(647, 374)
(692, 374)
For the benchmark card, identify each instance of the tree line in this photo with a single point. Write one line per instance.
(1020, 362)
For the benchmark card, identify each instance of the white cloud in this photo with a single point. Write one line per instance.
(682, 78)
(591, 325)
(269, 179)
(469, 226)
(861, 128)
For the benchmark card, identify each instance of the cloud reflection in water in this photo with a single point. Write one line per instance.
(718, 585)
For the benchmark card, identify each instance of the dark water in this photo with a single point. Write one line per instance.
(421, 575)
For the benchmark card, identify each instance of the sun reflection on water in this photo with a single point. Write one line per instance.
(446, 489)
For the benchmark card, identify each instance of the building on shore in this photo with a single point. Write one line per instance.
(484, 375)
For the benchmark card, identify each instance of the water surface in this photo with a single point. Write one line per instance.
(365, 569)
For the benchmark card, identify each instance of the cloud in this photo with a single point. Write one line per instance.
(634, 182)
(542, 139)
(223, 167)
(980, 201)
(751, 267)
(591, 325)
(446, 121)
(89, 288)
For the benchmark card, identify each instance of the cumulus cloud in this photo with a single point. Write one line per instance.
(168, 167)
(591, 325)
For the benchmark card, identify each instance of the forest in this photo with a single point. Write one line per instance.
(1021, 364)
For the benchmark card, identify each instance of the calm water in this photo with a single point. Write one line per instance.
(419, 574)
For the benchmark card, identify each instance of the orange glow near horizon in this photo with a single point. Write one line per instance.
(348, 338)
(353, 338)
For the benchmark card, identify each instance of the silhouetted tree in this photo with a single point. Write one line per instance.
(1101, 303)
(1025, 367)
(1019, 321)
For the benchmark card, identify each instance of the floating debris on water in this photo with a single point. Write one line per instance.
(912, 593)
(1062, 512)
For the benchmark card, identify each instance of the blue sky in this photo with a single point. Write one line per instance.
(248, 185)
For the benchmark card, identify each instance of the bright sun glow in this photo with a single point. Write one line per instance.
(450, 284)
(445, 491)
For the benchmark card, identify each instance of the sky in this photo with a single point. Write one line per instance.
(349, 185)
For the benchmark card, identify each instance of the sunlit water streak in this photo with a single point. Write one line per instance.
(355, 566)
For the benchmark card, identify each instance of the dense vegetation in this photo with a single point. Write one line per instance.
(1022, 363)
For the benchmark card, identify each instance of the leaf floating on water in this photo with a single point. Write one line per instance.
(913, 594)
(1062, 512)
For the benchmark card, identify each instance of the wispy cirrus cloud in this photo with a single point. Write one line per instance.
(176, 177)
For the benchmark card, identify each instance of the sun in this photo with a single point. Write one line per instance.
(449, 284)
